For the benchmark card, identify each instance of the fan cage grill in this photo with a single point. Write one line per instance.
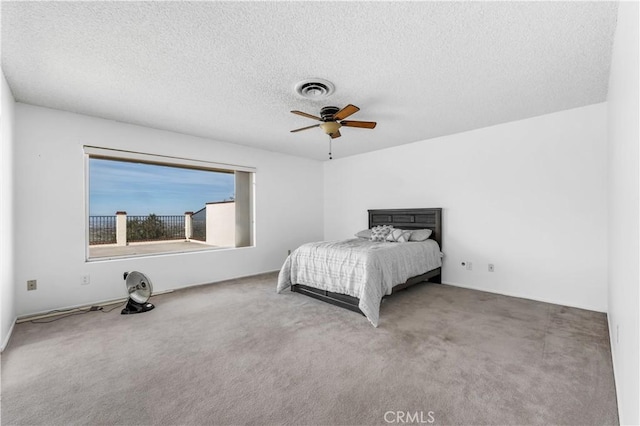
(139, 286)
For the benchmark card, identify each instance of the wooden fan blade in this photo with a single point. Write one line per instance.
(305, 128)
(363, 124)
(304, 114)
(345, 112)
(335, 134)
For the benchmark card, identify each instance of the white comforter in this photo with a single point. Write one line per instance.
(360, 268)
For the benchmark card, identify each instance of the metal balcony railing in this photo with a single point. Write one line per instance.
(102, 230)
(155, 228)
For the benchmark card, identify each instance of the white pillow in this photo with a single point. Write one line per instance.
(420, 234)
(365, 233)
(379, 233)
(399, 236)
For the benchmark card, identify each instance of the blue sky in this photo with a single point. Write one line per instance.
(142, 189)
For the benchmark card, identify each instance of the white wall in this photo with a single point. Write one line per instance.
(624, 213)
(7, 297)
(221, 224)
(49, 172)
(528, 196)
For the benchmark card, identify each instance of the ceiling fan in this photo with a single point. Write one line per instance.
(333, 118)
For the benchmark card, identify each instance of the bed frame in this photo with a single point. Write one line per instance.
(399, 218)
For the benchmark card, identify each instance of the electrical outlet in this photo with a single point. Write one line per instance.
(32, 285)
(86, 280)
(491, 268)
(467, 265)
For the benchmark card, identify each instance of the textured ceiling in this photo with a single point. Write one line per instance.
(226, 70)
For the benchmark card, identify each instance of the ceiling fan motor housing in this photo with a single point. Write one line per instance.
(328, 112)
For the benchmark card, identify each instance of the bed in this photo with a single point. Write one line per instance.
(357, 273)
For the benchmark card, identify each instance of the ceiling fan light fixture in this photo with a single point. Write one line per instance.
(330, 127)
(314, 88)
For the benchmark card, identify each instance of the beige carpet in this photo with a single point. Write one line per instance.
(238, 353)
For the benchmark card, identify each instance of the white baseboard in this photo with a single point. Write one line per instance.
(77, 308)
(85, 306)
(5, 343)
(615, 374)
(521, 296)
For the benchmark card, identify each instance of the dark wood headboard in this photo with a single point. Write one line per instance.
(410, 219)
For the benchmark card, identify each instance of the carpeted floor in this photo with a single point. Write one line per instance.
(238, 353)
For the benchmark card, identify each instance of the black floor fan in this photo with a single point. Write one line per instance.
(139, 288)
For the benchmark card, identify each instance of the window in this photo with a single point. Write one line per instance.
(141, 204)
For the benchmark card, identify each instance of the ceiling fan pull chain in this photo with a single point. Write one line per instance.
(330, 156)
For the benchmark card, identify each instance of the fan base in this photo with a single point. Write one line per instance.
(134, 307)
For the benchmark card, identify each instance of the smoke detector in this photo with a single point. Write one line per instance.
(314, 88)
